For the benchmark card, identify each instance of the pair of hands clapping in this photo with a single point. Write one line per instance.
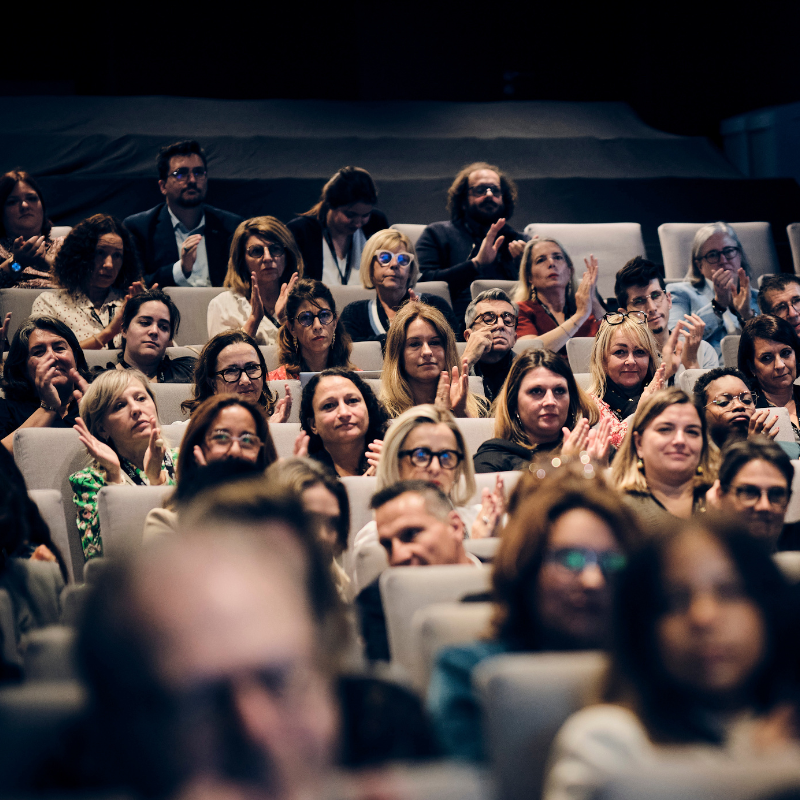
(595, 442)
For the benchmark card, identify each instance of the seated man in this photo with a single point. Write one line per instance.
(491, 333)
(779, 295)
(418, 527)
(183, 242)
(477, 242)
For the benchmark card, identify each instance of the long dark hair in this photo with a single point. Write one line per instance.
(768, 327)
(349, 185)
(7, 184)
(457, 193)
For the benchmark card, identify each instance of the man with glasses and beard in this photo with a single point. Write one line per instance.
(476, 242)
(183, 241)
(779, 295)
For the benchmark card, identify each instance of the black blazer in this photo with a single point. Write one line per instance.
(155, 242)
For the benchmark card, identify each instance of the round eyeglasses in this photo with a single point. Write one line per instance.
(576, 559)
(748, 495)
(422, 457)
(489, 318)
(483, 189)
(183, 173)
(258, 250)
(234, 374)
(724, 400)
(385, 257)
(306, 318)
(714, 256)
(223, 440)
(616, 317)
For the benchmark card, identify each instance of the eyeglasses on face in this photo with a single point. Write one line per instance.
(714, 256)
(223, 440)
(234, 374)
(306, 318)
(641, 302)
(489, 318)
(422, 457)
(616, 317)
(782, 309)
(576, 559)
(724, 400)
(748, 495)
(483, 189)
(275, 250)
(385, 257)
(183, 173)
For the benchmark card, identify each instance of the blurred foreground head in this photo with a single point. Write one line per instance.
(207, 655)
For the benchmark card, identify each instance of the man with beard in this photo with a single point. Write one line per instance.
(476, 243)
(183, 242)
(779, 295)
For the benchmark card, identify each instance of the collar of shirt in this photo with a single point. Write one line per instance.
(181, 228)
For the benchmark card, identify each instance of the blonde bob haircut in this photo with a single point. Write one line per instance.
(273, 230)
(524, 290)
(396, 394)
(598, 362)
(627, 476)
(386, 240)
(427, 414)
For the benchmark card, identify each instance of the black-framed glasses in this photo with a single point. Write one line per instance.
(258, 250)
(713, 256)
(489, 318)
(422, 457)
(385, 257)
(182, 174)
(576, 559)
(616, 317)
(782, 309)
(640, 302)
(483, 189)
(306, 318)
(223, 440)
(724, 400)
(234, 374)
(748, 494)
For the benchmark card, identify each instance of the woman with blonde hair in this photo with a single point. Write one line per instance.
(389, 265)
(263, 267)
(421, 365)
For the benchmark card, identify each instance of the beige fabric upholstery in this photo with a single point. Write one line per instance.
(484, 549)
(192, 302)
(481, 285)
(730, 351)
(369, 562)
(410, 229)
(789, 563)
(51, 506)
(284, 436)
(793, 510)
(19, 302)
(50, 654)
(584, 380)
(689, 378)
(169, 397)
(579, 353)
(438, 288)
(122, 511)
(344, 295)
(793, 232)
(476, 432)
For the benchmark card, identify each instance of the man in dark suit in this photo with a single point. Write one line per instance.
(183, 242)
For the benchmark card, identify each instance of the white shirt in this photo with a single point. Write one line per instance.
(78, 313)
(199, 275)
(230, 310)
(333, 267)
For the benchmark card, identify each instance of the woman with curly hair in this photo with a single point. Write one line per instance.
(312, 338)
(97, 270)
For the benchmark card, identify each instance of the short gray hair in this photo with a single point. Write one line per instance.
(694, 275)
(489, 294)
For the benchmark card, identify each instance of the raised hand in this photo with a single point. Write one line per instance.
(673, 352)
(154, 455)
(189, 253)
(4, 331)
(598, 442)
(516, 247)
(283, 408)
(723, 287)
(100, 452)
(79, 385)
(301, 445)
(280, 303)
(413, 296)
(30, 253)
(43, 381)
(374, 450)
(199, 456)
(586, 293)
(491, 244)
(576, 440)
(760, 423)
(493, 506)
(657, 383)
(741, 296)
(693, 329)
(459, 390)
(478, 344)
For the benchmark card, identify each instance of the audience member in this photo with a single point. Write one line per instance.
(332, 234)
(540, 409)
(490, 328)
(388, 265)
(44, 369)
(551, 309)
(552, 580)
(476, 242)
(119, 427)
(27, 249)
(312, 337)
(263, 268)
(342, 421)
(779, 295)
(717, 285)
(700, 662)
(98, 272)
(667, 462)
(183, 241)
(420, 365)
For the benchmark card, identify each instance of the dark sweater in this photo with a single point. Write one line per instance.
(500, 455)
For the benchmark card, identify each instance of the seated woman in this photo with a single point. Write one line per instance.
(717, 285)
(27, 250)
(119, 428)
(700, 665)
(389, 265)
(263, 267)
(97, 270)
(312, 338)
(331, 235)
(540, 410)
(224, 428)
(552, 584)
(232, 363)
(420, 365)
(667, 462)
(551, 309)
(44, 369)
(768, 355)
(341, 420)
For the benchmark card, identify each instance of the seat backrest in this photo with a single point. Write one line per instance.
(438, 288)
(579, 353)
(793, 509)
(19, 302)
(369, 562)
(270, 352)
(526, 698)
(169, 397)
(100, 358)
(689, 378)
(484, 549)
(793, 232)
(122, 511)
(730, 351)
(612, 243)
(50, 654)
(344, 295)
(51, 507)
(404, 590)
(411, 229)
(60, 230)
(475, 385)
(475, 432)
(489, 479)
(788, 562)
(367, 355)
(284, 436)
(785, 429)
(584, 380)
(756, 237)
(192, 302)
(296, 390)
(360, 489)
(481, 285)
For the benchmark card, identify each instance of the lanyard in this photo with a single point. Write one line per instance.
(345, 276)
(135, 474)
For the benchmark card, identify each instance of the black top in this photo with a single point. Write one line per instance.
(500, 455)
(373, 622)
(494, 375)
(14, 412)
(170, 370)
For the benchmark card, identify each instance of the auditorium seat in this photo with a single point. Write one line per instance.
(284, 436)
(476, 432)
(192, 302)
(50, 503)
(19, 302)
(612, 243)
(122, 511)
(756, 238)
(169, 397)
(410, 229)
(100, 358)
(438, 288)
(688, 378)
(344, 295)
(475, 385)
(484, 549)
(579, 353)
(584, 380)
(368, 563)
(788, 562)
(730, 351)
(793, 509)
(60, 230)
(476, 287)
(793, 232)
(279, 388)
(50, 654)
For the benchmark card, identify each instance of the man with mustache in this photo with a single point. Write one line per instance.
(476, 242)
(183, 241)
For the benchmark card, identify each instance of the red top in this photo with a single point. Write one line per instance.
(534, 321)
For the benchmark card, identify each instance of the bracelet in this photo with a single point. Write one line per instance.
(717, 308)
(47, 408)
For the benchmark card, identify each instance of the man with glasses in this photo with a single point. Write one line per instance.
(779, 295)
(491, 333)
(476, 242)
(183, 241)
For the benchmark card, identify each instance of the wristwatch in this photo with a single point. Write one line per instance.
(718, 309)
(16, 266)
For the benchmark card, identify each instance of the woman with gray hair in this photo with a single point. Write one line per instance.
(717, 286)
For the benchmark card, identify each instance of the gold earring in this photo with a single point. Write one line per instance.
(333, 339)
(640, 464)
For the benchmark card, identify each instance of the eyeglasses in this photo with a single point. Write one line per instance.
(183, 173)
(616, 317)
(233, 374)
(275, 250)
(713, 256)
(306, 318)
(385, 257)
(223, 440)
(782, 309)
(576, 559)
(725, 399)
(489, 318)
(483, 189)
(422, 457)
(641, 302)
(748, 495)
